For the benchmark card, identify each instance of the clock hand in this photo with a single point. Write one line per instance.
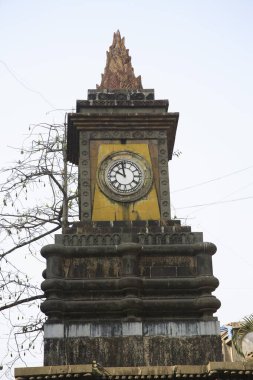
(123, 169)
(118, 172)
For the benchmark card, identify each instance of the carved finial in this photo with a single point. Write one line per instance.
(119, 72)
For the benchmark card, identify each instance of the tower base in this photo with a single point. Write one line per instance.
(133, 343)
(130, 296)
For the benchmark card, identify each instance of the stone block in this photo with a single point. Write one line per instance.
(134, 351)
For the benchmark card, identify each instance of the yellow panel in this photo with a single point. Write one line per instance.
(104, 208)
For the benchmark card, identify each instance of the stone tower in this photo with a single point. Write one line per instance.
(126, 285)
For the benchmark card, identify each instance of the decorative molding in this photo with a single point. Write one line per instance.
(164, 176)
(89, 239)
(119, 95)
(84, 177)
(123, 134)
(115, 103)
(100, 239)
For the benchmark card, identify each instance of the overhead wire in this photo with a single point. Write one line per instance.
(212, 180)
(202, 206)
(214, 203)
(23, 84)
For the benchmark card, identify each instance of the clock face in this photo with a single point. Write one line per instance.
(124, 176)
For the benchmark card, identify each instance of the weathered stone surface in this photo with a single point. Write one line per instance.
(129, 281)
(133, 351)
(121, 97)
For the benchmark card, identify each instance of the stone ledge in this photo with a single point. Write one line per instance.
(226, 369)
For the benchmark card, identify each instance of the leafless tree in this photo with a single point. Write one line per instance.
(38, 197)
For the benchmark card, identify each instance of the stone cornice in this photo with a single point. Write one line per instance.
(137, 125)
(213, 370)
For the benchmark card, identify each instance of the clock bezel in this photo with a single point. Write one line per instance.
(111, 192)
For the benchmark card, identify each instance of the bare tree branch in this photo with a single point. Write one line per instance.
(38, 196)
(22, 301)
(30, 241)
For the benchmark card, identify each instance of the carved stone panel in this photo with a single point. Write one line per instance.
(92, 267)
(168, 266)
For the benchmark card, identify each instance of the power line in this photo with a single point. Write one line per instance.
(212, 180)
(222, 199)
(215, 203)
(24, 85)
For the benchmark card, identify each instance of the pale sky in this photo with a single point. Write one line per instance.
(196, 53)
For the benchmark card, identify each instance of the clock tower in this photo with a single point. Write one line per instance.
(127, 285)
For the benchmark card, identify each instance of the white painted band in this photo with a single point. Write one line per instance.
(172, 329)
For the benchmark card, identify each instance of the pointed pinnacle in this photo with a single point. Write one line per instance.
(119, 72)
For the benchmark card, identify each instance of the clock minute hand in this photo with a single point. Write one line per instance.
(123, 169)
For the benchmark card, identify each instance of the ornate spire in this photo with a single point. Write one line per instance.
(119, 73)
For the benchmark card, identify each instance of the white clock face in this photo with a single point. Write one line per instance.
(124, 176)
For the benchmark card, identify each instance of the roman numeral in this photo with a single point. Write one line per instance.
(115, 183)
